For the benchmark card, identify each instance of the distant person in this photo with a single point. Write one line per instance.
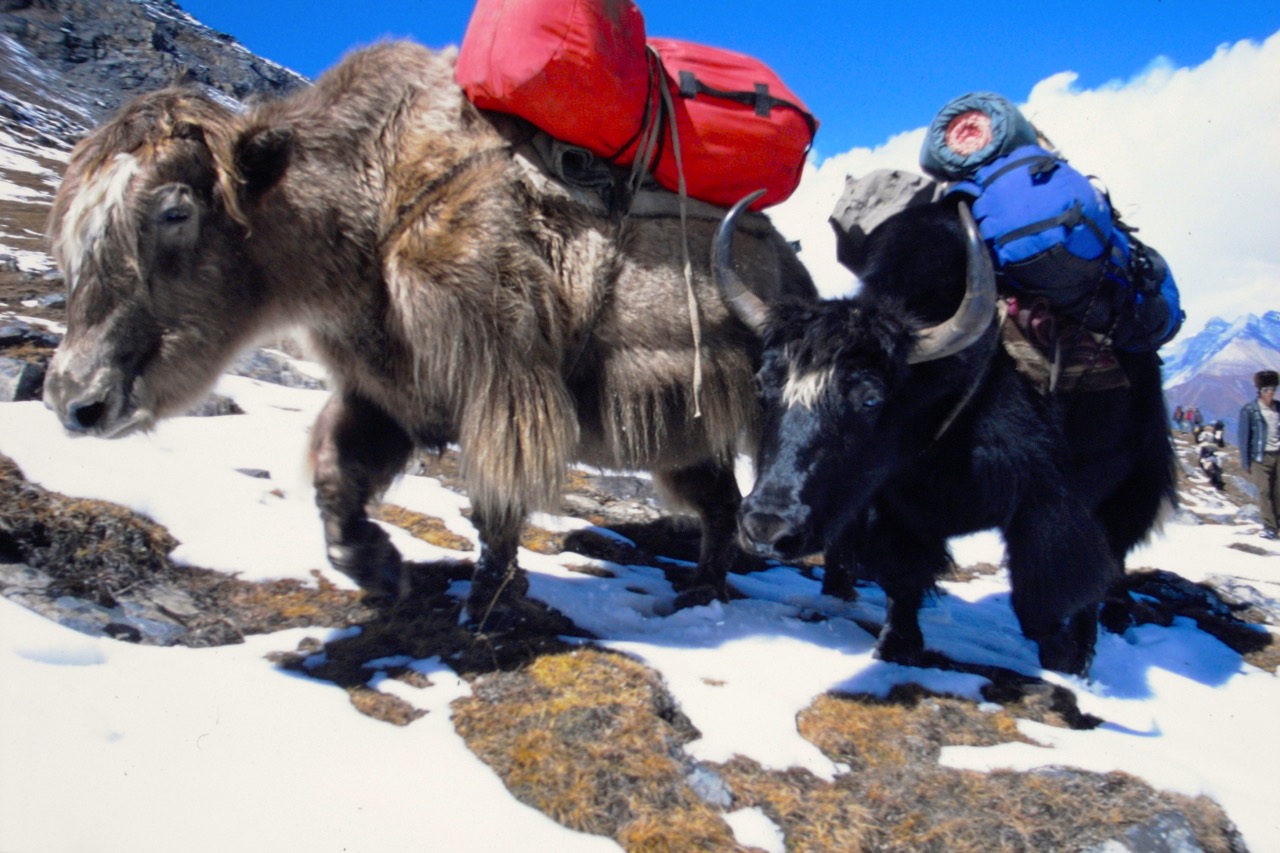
(1220, 433)
(1259, 441)
(1209, 462)
(1177, 418)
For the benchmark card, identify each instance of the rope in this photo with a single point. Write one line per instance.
(651, 136)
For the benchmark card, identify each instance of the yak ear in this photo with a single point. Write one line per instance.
(262, 157)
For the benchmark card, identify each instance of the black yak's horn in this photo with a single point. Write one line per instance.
(976, 310)
(746, 306)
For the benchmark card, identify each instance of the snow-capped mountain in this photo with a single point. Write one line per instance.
(1213, 370)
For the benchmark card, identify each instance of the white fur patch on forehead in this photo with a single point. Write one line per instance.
(100, 201)
(805, 390)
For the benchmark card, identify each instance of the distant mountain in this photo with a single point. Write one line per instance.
(1213, 370)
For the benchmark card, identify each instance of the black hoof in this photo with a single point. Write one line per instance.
(1069, 647)
(498, 606)
(699, 596)
(838, 585)
(906, 648)
(497, 618)
(372, 562)
(1062, 654)
(1117, 617)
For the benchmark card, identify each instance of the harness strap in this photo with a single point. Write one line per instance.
(1044, 164)
(663, 111)
(758, 99)
(1002, 313)
(695, 320)
(1069, 219)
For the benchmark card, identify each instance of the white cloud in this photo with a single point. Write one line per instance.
(1189, 155)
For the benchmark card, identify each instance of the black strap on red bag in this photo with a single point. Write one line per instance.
(759, 100)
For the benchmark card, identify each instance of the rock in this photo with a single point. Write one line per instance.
(20, 380)
(709, 787)
(275, 367)
(1245, 595)
(103, 53)
(214, 406)
(1168, 832)
(18, 332)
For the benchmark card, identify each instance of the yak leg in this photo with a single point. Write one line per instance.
(839, 567)
(356, 450)
(906, 566)
(498, 584)
(712, 491)
(1060, 568)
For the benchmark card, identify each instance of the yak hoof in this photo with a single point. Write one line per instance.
(901, 647)
(498, 606)
(1069, 647)
(1116, 616)
(374, 564)
(1062, 653)
(838, 585)
(700, 595)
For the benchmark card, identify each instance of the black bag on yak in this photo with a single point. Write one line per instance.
(1054, 235)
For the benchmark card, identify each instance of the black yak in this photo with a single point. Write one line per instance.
(895, 419)
(454, 296)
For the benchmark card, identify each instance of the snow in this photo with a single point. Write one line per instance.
(216, 749)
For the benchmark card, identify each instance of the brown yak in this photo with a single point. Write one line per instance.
(453, 297)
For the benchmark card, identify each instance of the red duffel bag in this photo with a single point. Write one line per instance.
(579, 70)
(740, 128)
(575, 68)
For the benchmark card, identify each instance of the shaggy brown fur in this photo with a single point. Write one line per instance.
(384, 215)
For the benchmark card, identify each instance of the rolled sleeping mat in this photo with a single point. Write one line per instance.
(970, 132)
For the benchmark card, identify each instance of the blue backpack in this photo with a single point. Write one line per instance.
(1053, 234)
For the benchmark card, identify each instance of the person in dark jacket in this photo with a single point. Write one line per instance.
(1260, 446)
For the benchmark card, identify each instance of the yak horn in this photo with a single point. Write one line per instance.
(976, 310)
(744, 304)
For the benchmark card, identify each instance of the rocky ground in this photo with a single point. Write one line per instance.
(538, 708)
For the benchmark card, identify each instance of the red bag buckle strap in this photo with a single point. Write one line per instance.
(760, 100)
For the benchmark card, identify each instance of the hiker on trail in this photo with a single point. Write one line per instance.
(1220, 433)
(1177, 418)
(1209, 462)
(1259, 440)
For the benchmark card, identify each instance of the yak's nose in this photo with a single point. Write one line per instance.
(764, 528)
(80, 407)
(84, 415)
(769, 534)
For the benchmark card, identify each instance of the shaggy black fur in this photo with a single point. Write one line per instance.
(860, 470)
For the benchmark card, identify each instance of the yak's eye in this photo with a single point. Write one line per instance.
(867, 394)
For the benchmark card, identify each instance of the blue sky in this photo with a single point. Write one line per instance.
(867, 70)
